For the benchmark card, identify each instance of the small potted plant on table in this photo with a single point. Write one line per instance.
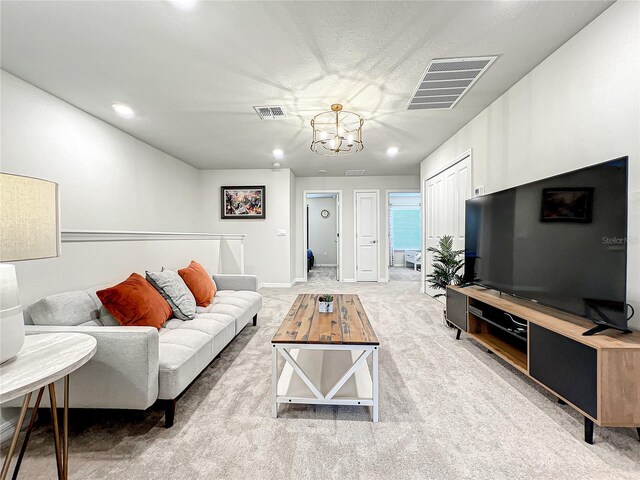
(326, 303)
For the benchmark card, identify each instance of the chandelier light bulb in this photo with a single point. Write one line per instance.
(337, 132)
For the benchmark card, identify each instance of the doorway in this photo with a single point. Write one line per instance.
(444, 214)
(404, 252)
(322, 224)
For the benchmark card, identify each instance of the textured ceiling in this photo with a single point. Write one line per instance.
(193, 76)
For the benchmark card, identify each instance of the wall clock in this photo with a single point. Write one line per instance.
(325, 213)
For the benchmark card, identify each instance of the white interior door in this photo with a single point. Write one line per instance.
(367, 236)
(446, 194)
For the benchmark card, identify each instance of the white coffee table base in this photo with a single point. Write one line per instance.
(322, 374)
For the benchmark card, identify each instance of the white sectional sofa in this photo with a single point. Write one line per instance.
(135, 366)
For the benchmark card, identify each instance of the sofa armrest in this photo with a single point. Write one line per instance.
(123, 373)
(226, 281)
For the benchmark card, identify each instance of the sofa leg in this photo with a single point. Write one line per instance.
(169, 413)
(255, 320)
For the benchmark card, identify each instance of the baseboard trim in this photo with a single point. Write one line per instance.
(383, 279)
(325, 265)
(277, 285)
(349, 280)
(6, 430)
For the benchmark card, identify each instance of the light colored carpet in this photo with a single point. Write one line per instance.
(404, 274)
(448, 410)
(318, 275)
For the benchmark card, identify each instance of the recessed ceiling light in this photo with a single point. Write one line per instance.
(322, 171)
(392, 151)
(278, 153)
(276, 165)
(184, 4)
(123, 110)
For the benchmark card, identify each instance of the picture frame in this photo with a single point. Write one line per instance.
(567, 204)
(243, 202)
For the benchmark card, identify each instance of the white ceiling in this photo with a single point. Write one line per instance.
(193, 76)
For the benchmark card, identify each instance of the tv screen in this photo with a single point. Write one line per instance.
(559, 241)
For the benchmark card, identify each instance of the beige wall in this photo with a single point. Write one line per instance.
(267, 255)
(108, 179)
(347, 185)
(579, 107)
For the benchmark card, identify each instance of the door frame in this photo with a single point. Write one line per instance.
(340, 229)
(355, 235)
(423, 187)
(386, 218)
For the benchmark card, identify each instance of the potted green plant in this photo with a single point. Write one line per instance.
(447, 264)
(326, 303)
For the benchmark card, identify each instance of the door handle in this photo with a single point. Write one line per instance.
(374, 241)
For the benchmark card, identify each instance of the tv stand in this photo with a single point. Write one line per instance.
(600, 328)
(598, 376)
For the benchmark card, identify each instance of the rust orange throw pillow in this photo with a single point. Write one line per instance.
(135, 302)
(199, 282)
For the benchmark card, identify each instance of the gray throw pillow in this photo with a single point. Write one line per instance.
(171, 286)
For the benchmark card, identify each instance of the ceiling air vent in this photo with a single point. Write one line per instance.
(446, 81)
(271, 113)
(354, 173)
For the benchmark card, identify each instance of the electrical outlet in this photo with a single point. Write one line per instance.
(282, 232)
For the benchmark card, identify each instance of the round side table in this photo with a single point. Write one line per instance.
(44, 359)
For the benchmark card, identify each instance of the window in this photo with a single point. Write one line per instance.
(405, 227)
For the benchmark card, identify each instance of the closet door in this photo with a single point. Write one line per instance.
(445, 198)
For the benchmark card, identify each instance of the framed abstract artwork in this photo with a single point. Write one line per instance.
(243, 202)
(567, 204)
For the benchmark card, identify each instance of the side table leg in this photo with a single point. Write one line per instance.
(56, 430)
(23, 449)
(65, 429)
(375, 384)
(274, 380)
(16, 435)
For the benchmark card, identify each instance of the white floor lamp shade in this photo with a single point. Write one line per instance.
(29, 230)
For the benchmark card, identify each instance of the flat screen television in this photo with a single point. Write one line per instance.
(560, 242)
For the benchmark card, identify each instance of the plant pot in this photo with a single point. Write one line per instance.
(326, 307)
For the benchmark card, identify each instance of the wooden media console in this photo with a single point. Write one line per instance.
(598, 375)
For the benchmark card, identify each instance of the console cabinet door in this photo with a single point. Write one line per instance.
(567, 367)
(457, 309)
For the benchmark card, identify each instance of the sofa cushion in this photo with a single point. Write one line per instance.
(241, 305)
(78, 307)
(200, 324)
(66, 309)
(173, 289)
(134, 302)
(182, 353)
(199, 282)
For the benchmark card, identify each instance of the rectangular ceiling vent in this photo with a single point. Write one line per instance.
(354, 173)
(446, 81)
(271, 113)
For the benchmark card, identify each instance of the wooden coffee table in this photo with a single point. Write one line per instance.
(328, 354)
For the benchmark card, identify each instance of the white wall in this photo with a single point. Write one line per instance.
(108, 179)
(266, 254)
(348, 185)
(579, 107)
(323, 231)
